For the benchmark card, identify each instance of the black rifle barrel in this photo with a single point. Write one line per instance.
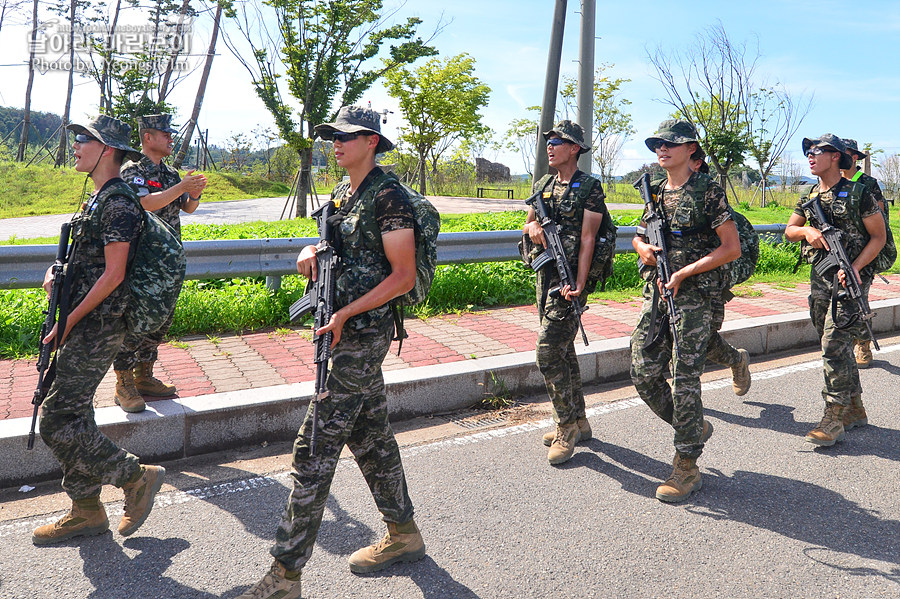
(558, 255)
(57, 303)
(837, 257)
(656, 235)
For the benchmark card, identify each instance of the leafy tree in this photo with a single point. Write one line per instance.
(440, 101)
(709, 84)
(889, 173)
(328, 50)
(611, 125)
(773, 116)
(522, 138)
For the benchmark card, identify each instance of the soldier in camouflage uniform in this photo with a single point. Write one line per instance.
(863, 346)
(375, 239)
(702, 240)
(852, 208)
(719, 350)
(575, 203)
(103, 243)
(165, 193)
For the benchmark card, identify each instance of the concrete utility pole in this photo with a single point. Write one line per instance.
(551, 85)
(586, 81)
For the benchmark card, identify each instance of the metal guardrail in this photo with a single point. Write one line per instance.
(23, 266)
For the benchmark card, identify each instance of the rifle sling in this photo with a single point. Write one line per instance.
(658, 322)
(853, 318)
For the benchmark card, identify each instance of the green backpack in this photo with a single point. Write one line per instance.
(156, 270)
(428, 225)
(155, 275)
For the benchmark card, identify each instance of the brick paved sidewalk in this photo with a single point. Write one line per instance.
(201, 365)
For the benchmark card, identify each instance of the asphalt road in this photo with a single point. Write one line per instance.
(774, 518)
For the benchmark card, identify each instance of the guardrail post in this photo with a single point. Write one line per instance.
(273, 283)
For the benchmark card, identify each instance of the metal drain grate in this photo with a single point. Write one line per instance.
(471, 419)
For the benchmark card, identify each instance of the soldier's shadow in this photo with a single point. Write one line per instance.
(432, 580)
(113, 573)
(774, 417)
(344, 534)
(805, 512)
(259, 516)
(641, 474)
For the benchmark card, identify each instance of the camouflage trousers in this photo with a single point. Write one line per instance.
(839, 364)
(718, 350)
(355, 414)
(678, 404)
(558, 364)
(88, 458)
(142, 348)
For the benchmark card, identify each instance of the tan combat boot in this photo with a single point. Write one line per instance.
(278, 583)
(563, 446)
(139, 495)
(855, 414)
(584, 432)
(87, 517)
(402, 543)
(127, 395)
(863, 352)
(831, 427)
(740, 374)
(684, 480)
(149, 384)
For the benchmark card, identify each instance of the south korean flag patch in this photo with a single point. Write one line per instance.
(139, 181)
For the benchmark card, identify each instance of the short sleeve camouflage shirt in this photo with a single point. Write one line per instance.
(119, 221)
(146, 178)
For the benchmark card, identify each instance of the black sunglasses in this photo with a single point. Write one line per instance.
(818, 151)
(345, 137)
(81, 138)
(658, 143)
(557, 141)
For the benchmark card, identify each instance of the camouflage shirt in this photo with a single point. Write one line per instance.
(567, 211)
(380, 206)
(839, 208)
(693, 212)
(145, 178)
(108, 217)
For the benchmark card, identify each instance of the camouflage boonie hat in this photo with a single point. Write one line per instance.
(829, 140)
(570, 131)
(676, 131)
(160, 122)
(356, 119)
(853, 148)
(111, 132)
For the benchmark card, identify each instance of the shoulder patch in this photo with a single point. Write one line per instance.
(843, 194)
(138, 181)
(576, 184)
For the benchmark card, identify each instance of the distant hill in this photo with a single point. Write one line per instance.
(46, 124)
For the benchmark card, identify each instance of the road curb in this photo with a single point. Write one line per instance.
(171, 429)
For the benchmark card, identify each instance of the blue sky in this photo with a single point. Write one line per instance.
(841, 52)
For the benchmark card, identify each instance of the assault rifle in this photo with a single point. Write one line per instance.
(555, 253)
(655, 230)
(837, 257)
(59, 302)
(320, 297)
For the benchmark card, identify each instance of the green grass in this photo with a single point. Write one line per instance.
(42, 189)
(241, 304)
